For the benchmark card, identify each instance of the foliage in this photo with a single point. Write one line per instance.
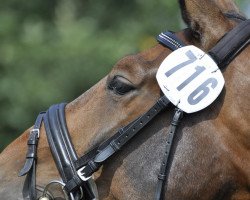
(52, 51)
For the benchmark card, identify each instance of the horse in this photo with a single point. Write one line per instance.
(211, 152)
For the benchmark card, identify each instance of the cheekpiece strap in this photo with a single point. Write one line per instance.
(159, 195)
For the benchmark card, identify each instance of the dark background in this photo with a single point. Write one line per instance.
(51, 51)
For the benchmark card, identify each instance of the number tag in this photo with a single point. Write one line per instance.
(190, 79)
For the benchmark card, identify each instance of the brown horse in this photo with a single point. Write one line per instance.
(211, 158)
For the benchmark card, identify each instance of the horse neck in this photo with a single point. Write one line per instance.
(233, 121)
(237, 99)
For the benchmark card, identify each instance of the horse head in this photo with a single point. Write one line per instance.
(210, 157)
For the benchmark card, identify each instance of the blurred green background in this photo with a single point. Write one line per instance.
(51, 51)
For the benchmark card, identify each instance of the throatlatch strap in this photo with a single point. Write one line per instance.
(231, 44)
(29, 168)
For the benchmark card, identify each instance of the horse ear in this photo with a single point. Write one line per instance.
(206, 19)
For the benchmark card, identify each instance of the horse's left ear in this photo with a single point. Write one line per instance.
(206, 19)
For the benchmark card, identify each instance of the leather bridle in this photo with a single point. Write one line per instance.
(76, 173)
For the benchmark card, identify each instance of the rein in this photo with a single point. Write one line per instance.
(76, 173)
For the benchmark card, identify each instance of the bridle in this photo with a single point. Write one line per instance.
(76, 173)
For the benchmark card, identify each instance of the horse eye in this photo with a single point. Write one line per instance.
(120, 85)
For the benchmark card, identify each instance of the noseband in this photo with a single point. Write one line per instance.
(76, 173)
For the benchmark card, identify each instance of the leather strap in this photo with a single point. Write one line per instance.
(231, 44)
(29, 187)
(63, 151)
(127, 133)
(120, 139)
(169, 40)
(159, 195)
(82, 161)
(55, 130)
(29, 168)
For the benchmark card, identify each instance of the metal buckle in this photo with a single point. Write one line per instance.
(36, 130)
(81, 175)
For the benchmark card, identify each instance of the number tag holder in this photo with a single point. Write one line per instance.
(190, 79)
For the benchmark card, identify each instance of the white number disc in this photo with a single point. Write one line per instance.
(190, 79)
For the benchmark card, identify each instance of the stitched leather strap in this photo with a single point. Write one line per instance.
(131, 131)
(82, 161)
(63, 151)
(231, 44)
(91, 162)
(120, 139)
(169, 40)
(159, 195)
(55, 126)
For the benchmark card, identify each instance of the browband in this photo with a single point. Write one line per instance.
(169, 40)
